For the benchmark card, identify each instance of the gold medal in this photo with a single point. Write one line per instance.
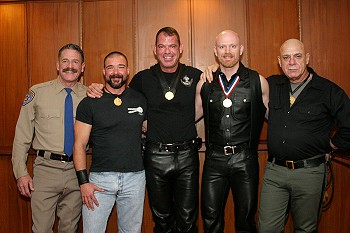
(291, 100)
(118, 101)
(169, 95)
(227, 103)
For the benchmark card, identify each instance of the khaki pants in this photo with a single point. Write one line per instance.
(55, 188)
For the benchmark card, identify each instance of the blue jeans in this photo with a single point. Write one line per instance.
(127, 190)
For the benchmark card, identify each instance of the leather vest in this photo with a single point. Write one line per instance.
(240, 123)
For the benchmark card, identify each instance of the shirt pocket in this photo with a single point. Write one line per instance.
(242, 106)
(311, 112)
(49, 114)
(49, 120)
(275, 111)
(215, 106)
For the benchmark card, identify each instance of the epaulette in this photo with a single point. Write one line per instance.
(41, 85)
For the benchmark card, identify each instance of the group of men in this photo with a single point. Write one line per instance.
(165, 101)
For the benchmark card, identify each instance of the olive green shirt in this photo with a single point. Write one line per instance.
(41, 121)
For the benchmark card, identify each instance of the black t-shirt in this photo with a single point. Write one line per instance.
(173, 120)
(116, 130)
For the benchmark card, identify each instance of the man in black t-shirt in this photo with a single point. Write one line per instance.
(113, 124)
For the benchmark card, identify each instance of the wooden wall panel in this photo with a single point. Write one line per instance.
(338, 215)
(50, 26)
(15, 214)
(270, 23)
(209, 19)
(107, 26)
(13, 68)
(152, 15)
(326, 33)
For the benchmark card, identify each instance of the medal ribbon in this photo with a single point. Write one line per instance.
(299, 86)
(163, 82)
(291, 92)
(232, 86)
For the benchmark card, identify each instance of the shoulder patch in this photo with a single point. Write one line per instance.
(29, 97)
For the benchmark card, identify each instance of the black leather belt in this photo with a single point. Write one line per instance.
(54, 156)
(171, 147)
(312, 162)
(230, 150)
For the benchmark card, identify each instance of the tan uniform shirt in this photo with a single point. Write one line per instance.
(41, 121)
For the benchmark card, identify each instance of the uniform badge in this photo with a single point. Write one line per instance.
(29, 97)
(186, 81)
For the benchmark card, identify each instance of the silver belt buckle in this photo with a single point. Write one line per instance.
(62, 158)
(229, 150)
(167, 146)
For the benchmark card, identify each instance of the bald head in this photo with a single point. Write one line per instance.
(294, 60)
(228, 50)
(292, 44)
(227, 34)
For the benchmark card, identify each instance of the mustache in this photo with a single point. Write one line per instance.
(70, 69)
(115, 76)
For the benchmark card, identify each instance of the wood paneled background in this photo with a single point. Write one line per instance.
(31, 33)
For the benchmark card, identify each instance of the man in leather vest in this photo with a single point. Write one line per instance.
(233, 105)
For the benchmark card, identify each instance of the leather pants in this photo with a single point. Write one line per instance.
(238, 172)
(172, 180)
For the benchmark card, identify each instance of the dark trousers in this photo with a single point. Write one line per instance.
(173, 189)
(238, 172)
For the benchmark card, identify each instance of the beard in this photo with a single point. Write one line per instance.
(116, 85)
(228, 63)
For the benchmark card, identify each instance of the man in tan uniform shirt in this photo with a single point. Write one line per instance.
(41, 125)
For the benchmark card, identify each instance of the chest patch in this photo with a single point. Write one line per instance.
(186, 81)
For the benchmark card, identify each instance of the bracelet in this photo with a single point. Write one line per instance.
(82, 177)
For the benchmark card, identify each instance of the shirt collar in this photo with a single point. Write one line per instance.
(59, 87)
(242, 72)
(314, 83)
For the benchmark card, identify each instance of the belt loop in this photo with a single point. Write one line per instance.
(305, 163)
(160, 147)
(47, 155)
(273, 161)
